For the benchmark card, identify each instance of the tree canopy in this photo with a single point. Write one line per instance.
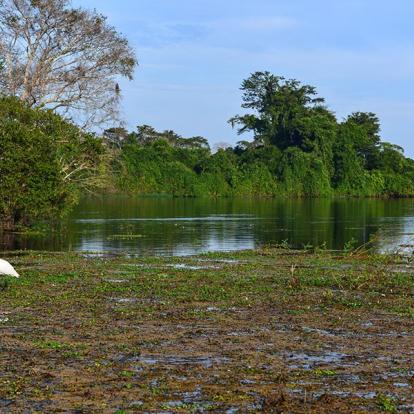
(63, 58)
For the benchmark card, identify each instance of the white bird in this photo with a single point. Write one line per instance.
(6, 269)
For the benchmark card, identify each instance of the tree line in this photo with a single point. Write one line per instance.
(299, 149)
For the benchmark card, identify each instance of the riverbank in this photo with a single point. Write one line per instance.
(255, 331)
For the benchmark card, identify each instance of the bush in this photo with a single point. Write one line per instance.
(44, 163)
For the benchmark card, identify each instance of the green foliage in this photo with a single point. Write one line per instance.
(45, 162)
(386, 403)
(304, 175)
(299, 149)
(281, 106)
(367, 143)
(354, 162)
(154, 168)
(256, 179)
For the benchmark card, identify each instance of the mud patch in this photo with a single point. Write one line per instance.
(123, 301)
(307, 361)
(116, 280)
(185, 266)
(176, 360)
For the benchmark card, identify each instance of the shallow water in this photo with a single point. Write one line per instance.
(204, 361)
(164, 226)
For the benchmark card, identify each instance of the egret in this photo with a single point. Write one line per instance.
(6, 269)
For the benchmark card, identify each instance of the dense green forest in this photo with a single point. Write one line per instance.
(299, 149)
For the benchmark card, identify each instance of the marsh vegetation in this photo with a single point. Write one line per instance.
(273, 330)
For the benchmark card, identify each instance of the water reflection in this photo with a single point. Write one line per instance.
(189, 226)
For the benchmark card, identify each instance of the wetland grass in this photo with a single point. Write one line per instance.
(272, 330)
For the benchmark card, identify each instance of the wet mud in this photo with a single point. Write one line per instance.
(268, 331)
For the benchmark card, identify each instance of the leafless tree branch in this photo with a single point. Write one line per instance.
(62, 58)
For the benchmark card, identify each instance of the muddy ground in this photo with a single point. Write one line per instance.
(274, 331)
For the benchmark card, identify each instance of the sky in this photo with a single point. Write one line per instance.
(194, 54)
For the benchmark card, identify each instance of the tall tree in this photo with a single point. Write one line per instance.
(288, 114)
(280, 107)
(62, 58)
(368, 144)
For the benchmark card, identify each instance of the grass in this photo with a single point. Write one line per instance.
(387, 404)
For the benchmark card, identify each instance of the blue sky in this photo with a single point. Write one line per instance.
(194, 54)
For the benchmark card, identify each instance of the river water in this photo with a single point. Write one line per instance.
(165, 226)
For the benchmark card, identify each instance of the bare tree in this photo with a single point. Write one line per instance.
(65, 59)
(221, 146)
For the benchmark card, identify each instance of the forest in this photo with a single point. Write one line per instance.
(299, 149)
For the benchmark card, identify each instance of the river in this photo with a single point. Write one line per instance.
(166, 226)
